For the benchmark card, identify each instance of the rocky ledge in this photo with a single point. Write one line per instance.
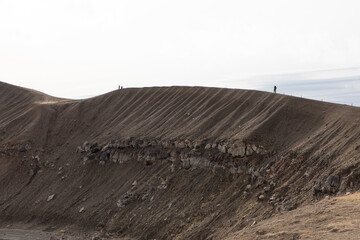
(187, 153)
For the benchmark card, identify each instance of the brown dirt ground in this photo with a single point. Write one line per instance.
(197, 204)
(331, 218)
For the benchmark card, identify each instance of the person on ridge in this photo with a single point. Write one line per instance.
(275, 89)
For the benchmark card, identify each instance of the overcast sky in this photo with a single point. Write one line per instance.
(73, 48)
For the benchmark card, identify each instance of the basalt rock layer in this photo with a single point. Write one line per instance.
(170, 163)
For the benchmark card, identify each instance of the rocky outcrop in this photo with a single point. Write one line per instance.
(327, 185)
(15, 148)
(188, 154)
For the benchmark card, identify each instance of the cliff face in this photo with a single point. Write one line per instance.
(176, 162)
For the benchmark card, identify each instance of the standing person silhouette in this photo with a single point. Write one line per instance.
(275, 89)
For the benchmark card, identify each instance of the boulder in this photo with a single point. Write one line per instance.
(85, 160)
(85, 146)
(172, 168)
(22, 148)
(94, 148)
(233, 170)
(250, 170)
(249, 150)
(51, 197)
(261, 197)
(189, 143)
(125, 199)
(199, 162)
(105, 148)
(79, 149)
(166, 144)
(120, 144)
(197, 144)
(140, 143)
(149, 160)
(28, 146)
(222, 148)
(115, 157)
(104, 156)
(261, 150)
(180, 144)
(237, 149)
(91, 156)
(173, 156)
(218, 169)
(134, 184)
(327, 185)
(127, 143)
(123, 158)
(254, 148)
(186, 163)
(267, 189)
(260, 181)
(332, 184)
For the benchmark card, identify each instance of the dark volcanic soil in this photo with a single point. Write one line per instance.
(172, 162)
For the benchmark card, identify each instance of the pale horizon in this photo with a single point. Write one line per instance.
(77, 49)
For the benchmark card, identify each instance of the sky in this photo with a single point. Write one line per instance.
(82, 48)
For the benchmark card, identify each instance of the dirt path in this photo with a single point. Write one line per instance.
(20, 234)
